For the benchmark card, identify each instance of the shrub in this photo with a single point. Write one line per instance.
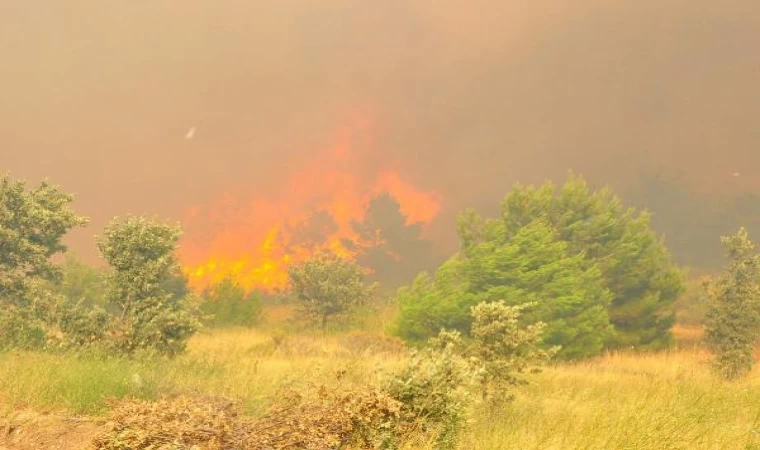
(502, 349)
(733, 320)
(432, 391)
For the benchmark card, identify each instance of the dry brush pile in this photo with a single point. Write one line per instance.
(330, 419)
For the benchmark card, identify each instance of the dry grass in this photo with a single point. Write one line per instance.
(620, 401)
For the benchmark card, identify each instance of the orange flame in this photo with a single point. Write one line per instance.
(255, 241)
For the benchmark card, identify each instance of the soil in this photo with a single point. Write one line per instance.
(28, 430)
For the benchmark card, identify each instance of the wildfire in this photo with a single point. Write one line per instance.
(255, 240)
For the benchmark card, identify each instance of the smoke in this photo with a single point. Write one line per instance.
(465, 97)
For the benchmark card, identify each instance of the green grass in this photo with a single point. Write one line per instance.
(621, 401)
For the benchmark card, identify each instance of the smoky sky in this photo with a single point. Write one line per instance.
(466, 97)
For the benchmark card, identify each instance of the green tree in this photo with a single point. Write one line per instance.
(733, 319)
(532, 266)
(230, 305)
(141, 254)
(635, 265)
(33, 223)
(328, 286)
(432, 303)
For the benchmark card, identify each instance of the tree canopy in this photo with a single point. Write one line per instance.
(141, 253)
(33, 223)
(328, 286)
(533, 267)
(598, 274)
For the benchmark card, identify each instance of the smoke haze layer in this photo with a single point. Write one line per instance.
(464, 99)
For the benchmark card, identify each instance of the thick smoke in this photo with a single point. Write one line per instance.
(467, 97)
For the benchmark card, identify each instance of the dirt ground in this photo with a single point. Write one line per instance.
(27, 430)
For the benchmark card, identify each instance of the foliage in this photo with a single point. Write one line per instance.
(21, 329)
(430, 304)
(532, 266)
(586, 261)
(503, 349)
(327, 286)
(228, 304)
(32, 225)
(634, 263)
(432, 389)
(81, 282)
(733, 319)
(177, 284)
(141, 253)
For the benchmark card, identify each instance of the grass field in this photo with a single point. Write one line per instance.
(619, 401)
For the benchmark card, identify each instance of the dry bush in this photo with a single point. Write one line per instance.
(330, 419)
(333, 419)
(174, 424)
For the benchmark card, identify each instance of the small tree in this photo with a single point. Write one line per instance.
(328, 286)
(141, 253)
(33, 223)
(504, 349)
(733, 318)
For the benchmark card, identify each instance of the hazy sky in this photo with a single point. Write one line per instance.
(467, 97)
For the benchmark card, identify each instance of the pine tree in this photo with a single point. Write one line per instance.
(635, 265)
(733, 319)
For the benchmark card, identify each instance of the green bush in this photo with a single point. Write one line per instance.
(503, 350)
(432, 390)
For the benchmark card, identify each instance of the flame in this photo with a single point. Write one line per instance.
(254, 241)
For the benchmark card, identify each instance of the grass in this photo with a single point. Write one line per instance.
(619, 401)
